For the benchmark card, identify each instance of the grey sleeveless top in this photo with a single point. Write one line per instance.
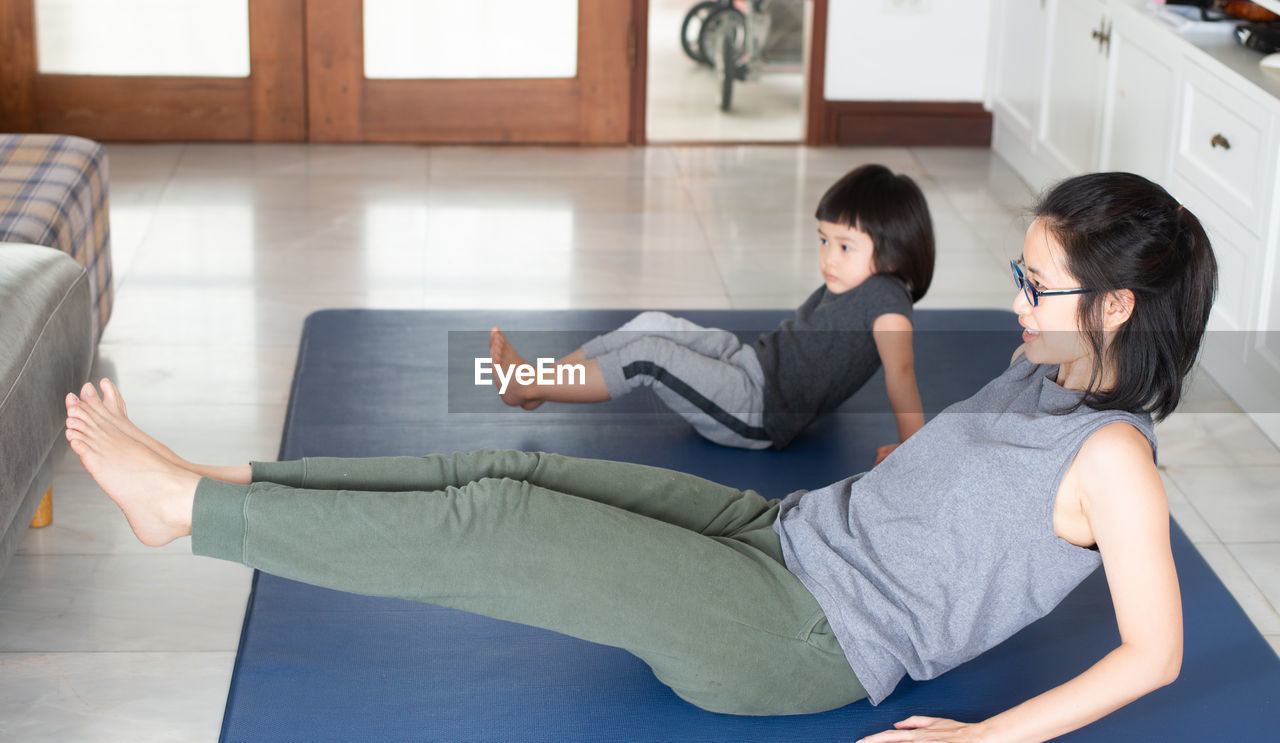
(947, 547)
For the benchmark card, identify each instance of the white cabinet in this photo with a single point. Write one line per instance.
(1225, 161)
(1223, 145)
(1107, 92)
(1237, 253)
(1140, 100)
(1265, 352)
(1072, 108)
(1019, 30)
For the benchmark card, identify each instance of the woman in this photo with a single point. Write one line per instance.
(976, 526)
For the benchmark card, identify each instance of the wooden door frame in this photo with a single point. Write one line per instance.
(266, 106)
(815, 108)
(638, 38)
(17, 38)
(815, 81)
(344, 106)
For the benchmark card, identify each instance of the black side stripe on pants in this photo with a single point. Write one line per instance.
(682, 388)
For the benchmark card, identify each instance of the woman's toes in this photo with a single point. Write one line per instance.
(82, 410)
(112, 397)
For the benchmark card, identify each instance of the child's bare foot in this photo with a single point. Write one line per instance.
(155, 495)
(503, 356)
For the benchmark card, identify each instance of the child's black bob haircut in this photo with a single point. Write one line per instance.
(892, 210)
(1121, 231)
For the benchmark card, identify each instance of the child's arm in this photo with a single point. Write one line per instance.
(892, 334)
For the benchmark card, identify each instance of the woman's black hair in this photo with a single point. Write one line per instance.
(892, 210)
(1121, 231)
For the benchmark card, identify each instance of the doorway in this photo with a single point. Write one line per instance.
(727, 71)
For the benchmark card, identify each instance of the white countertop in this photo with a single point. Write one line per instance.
(1221, 47)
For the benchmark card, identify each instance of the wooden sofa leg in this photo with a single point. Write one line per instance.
(44, 512)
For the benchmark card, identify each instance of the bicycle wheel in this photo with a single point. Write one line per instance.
(692, 27)
(724, 21)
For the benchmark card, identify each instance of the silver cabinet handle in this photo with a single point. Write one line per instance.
(1220, 141)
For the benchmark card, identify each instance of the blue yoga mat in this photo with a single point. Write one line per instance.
(320, 665)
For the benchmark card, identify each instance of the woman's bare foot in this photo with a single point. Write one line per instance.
(502, 355)
(155, 494)
(113, 401)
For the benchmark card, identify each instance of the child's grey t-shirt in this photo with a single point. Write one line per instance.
(947, 547)
(815, 361)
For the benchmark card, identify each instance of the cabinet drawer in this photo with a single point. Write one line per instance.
(1221, 144)
(1238, 255)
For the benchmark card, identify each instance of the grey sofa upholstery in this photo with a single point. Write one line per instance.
(46, 349)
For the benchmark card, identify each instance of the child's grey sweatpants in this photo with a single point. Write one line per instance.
(707, 375)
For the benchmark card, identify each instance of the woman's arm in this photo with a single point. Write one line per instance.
(1123, 502)
(892, 334)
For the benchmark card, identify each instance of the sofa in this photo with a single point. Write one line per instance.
(55, 298)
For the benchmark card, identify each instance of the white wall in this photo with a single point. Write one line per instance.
(907, 50)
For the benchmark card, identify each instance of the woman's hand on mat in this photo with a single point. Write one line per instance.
(921, 728)
(883, 452)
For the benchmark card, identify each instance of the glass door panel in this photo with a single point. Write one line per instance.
(447, 39)
(205, 38)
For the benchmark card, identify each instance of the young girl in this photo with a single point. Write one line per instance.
(974, 528)
(876, 253)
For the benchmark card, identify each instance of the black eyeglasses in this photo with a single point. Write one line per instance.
(1033, 294)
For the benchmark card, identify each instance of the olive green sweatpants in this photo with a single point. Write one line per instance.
(685, 574)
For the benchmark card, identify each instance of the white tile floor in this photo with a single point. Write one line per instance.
(222, 250)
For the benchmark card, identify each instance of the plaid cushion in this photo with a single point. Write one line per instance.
(53, 192)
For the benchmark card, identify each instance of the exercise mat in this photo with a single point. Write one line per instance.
(320, 665)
